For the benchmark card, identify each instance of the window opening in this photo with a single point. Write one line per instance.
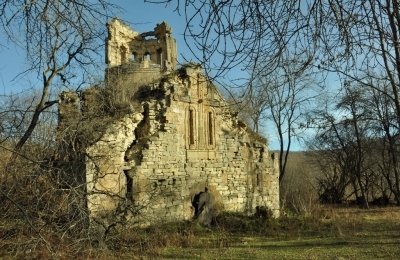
(191, 126)
(258, 177)
(129, 186)
(261, 155)
(148, 56)
(123, 54)
(210, 129)
(159, 57)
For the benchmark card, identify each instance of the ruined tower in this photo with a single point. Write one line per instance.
(135, 59)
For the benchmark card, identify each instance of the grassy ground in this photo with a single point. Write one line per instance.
(340, 234)
(330, 233)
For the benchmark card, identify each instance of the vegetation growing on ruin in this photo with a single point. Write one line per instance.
(256, 137)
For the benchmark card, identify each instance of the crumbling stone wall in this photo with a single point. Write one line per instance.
(117, 43)
(149, 163)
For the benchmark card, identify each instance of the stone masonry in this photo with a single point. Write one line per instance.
(169, 136)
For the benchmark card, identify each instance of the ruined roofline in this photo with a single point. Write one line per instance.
(121, 22)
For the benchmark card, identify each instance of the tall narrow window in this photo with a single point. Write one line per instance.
(210, 129)
(258, 178)
(159, 57)
(191, 126)
(199, 86)
(123, 54)
(129, 186)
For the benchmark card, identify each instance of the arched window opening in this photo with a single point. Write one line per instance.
(147, 56)
(133, 57)
(123, 54)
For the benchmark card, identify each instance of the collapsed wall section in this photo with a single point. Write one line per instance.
(106, 169)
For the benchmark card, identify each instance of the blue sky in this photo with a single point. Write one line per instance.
(141, 16)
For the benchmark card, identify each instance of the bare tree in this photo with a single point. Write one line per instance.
(252, 108)
(244, 33)
(387, 136)
(282, 99)
(343, 36)
(350, 39)
(61, 40)
(346, 134)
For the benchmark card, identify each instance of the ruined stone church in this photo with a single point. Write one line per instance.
(156, 136)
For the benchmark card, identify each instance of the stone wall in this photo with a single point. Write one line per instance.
(147, 164)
